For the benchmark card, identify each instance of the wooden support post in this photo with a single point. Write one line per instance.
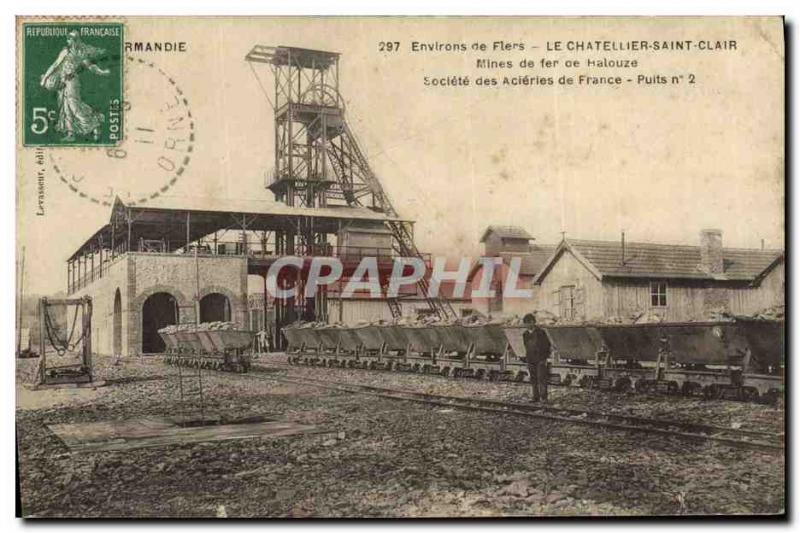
(87, 335)
(244, 234)
(597, 365)
(42, 341)
(746, 361)
(188, 230)
(265, 326)
(130, 223)
(658, 367)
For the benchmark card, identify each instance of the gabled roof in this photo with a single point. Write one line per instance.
(507, 232)
(664, 261)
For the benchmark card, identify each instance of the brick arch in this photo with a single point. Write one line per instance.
(235, 301)
(238, 307)
(136, 307)
(138, 302)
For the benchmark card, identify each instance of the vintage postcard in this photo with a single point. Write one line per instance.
(400, 267)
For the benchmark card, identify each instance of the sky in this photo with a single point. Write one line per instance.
(660, 162)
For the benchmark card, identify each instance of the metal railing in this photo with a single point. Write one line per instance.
(79, 282)
(255, 250)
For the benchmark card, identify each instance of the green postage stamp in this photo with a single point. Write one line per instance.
(72, 77)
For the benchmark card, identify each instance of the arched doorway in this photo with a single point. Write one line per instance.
(117, 329)
(215, 307)
(159, 310)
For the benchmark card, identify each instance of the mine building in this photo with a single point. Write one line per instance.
(585, 280)
(161, 263)
(507, 243)
(169, 261)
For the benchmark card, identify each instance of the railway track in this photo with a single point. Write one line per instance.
(434, 375)
(512, 374)
(738, 438)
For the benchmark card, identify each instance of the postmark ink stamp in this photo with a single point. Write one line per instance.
(157, 147)
(73, 84)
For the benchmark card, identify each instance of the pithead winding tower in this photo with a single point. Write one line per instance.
(318, 161)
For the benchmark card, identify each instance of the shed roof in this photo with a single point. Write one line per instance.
(666, 261)
(165, 217)
(250, 207)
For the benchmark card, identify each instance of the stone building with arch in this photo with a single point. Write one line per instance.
(142, 292)
(157, 264)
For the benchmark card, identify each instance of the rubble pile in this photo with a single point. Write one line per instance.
(776, 312)
(205, 326)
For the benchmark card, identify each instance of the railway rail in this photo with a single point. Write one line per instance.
(513, 372)
(738, 438)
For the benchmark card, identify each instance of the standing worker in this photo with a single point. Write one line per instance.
(537, 350)
(263, 342)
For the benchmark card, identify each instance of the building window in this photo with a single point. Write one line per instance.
(658, 293)
(566, 302)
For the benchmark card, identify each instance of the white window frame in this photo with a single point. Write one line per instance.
(654, 286)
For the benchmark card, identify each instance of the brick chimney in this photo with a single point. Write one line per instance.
(711, 251)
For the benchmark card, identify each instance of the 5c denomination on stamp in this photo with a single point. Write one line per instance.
(72, 78)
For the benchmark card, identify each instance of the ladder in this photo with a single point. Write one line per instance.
(190, 387)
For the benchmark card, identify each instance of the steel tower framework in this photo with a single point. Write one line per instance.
(318, 161)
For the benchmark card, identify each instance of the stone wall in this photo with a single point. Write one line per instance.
(140, 275)
(103, 291)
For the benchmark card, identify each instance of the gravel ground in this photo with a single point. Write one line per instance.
(396, 459)
(727, 413)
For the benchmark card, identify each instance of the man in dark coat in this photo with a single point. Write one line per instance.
(537, 350)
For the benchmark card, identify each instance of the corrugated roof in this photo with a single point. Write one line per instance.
(160, 213)
(507, 232)
(252, 206)
(670, 260)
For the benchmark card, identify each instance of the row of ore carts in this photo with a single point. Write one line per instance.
(741, 358)
(211, 346)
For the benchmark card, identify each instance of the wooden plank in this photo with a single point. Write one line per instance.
(149, 432)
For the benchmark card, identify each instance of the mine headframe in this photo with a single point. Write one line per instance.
(318, 160)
